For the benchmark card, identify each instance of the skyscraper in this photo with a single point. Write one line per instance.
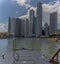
(26, 28)
(14, 26)
(31, 21)
(46, 26)
(53, 22)
(9, 25)
(22, 27)
(39, 20)
(18, 27)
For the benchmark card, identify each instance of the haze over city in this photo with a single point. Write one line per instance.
(17, 8)
(29, 31)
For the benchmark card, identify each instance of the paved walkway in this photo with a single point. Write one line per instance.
(25, 57)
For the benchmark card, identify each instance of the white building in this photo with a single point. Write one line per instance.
(53, 22)
(14, 26)
(18, 27)
(39, 20)
(11, 26)
(31, 21)
(22, 27)
(26, 28)
(46, 29)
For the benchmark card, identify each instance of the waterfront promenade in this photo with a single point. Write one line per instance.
(25, 57)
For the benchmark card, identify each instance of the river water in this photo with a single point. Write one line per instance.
(41, 45)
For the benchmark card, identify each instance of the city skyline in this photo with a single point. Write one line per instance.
(21, 8)
(32, 26)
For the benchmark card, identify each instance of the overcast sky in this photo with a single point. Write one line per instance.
(17, 8)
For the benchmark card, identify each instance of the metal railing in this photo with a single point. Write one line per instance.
(15, 49)
(15, 54)
(54, 59)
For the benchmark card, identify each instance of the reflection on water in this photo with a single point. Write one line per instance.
(41, 45)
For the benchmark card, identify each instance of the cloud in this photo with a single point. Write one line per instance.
(21, 2)
(24, 16)
(3, 27)
(27, 15)
(51, 7)
(25, 3)
(47, 9)
(32, 8)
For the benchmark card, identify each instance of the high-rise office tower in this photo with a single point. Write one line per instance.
(9, 25)
(46, 26)
(31, 22)
(39, 20)
(26, 28)
(22, 27)
(53, 22)
(18, 27)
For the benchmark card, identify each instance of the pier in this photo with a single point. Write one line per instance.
(24, 57)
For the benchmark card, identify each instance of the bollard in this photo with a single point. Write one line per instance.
(43, 56)
(3, 55)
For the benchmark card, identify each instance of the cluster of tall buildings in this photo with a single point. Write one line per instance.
(32, 25)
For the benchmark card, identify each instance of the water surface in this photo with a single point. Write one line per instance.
(42, 45)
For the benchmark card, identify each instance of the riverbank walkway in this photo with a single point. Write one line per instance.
(24, 57)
